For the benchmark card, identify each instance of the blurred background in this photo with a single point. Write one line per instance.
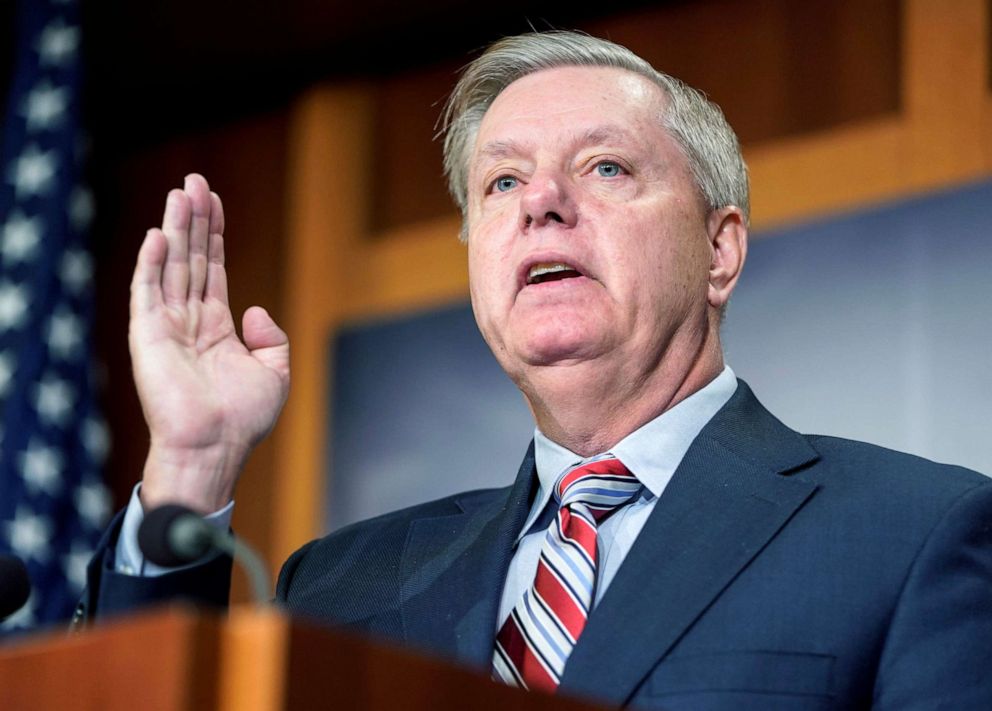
(865, 309)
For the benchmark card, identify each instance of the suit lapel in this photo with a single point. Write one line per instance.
(728, 498)
(453, 569)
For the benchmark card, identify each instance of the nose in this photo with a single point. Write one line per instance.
(546, 200)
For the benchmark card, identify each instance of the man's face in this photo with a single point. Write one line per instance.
(587, 234)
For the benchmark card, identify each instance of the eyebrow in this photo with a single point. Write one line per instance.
(500, 149)
(507, 148)
(604, 134)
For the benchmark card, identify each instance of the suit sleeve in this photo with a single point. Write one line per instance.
(938, 653)
(109, 592)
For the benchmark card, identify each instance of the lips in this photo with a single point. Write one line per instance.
(542, 269)
(540, 273)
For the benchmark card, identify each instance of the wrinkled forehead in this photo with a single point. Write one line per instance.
(568, 99)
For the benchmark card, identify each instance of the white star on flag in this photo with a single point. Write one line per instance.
(54, 399)
(58, 43)
(7, 368)
(45, 106)
(74, 564)
(76, 271)
(42, 468)
(33, 172)
(29, 534)
(21, 236)
(13, 305)
(93, 504)
(81, 208)
(96, 439)
(65, 334)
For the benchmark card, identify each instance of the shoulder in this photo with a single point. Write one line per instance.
(868, 465)
(848, 474)
(366, 555)
(398, 521)
(864, 489)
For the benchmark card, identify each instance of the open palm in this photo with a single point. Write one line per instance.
(208, 397)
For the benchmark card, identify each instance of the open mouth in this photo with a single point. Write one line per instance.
(541, 273)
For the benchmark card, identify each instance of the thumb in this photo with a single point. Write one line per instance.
(267, 342)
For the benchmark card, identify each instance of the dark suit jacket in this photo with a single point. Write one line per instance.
(777, 571)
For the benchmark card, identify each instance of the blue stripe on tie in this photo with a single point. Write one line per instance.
(568, 587)
(547, 608)
(562, 655)
(592, 494)
(585, 578)
(621, 488)
(534, 647)
(599, 499)
(565, 540)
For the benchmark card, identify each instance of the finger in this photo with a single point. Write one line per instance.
(175, 227)
(199, 232)
(146, 283)
(216, 214)
(268, 343)
(216, 287)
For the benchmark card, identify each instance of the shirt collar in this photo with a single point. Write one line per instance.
(652, 452)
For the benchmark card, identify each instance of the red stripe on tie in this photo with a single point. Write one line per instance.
(522, 658)
(575, 528)
(566, 608)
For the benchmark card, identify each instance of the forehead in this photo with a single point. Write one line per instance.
(571, 100)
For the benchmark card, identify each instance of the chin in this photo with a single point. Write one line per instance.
(560, 351)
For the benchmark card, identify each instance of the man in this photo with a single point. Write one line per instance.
(667, 543)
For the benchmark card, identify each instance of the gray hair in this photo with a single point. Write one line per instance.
(696, 123)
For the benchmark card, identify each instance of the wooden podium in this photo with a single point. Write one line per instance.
(179, 659)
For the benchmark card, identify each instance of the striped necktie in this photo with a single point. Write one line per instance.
(534, 643)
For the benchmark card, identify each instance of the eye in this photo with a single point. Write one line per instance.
(609, 169)
(504, 183)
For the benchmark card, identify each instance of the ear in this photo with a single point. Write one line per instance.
(728, 242)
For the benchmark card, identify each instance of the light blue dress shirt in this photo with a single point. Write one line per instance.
(128, 558)
(652, 453)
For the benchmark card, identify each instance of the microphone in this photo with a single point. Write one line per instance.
(173, 535)
(15, 585)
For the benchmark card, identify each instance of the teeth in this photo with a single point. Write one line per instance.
(539, 270)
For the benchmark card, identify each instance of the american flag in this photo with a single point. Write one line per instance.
(52, 440)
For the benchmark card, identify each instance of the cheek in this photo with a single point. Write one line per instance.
(490, 261)
(484, 280)
(669, 259)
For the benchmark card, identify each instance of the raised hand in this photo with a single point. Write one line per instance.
(208, 397)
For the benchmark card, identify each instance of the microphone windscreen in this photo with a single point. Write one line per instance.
(15, 585)
(155, 535)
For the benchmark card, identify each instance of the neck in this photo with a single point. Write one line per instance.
(590, 406)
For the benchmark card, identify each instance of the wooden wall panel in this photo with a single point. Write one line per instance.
(778, 69)
(408, 184)
(328, 187)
